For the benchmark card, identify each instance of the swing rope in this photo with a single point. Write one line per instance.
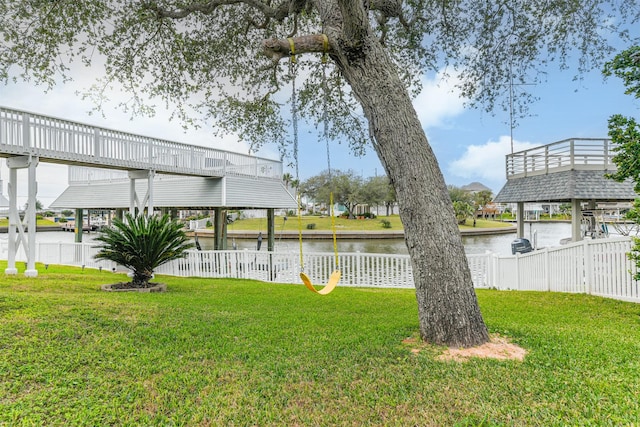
(334, 278)
(325, 135)
(294, 120)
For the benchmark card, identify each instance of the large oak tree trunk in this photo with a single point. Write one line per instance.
(447, 303)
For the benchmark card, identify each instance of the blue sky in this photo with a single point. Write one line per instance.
(470, 144)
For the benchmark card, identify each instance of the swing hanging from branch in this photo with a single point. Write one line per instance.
(334, 278)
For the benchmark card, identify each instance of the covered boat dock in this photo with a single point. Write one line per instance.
(114, 170)
(568, 171)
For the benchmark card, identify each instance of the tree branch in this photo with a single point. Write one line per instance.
(280, 12)
(389, 8)
(276, 49)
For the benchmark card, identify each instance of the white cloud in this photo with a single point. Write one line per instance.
(439, 100)
(486, 163)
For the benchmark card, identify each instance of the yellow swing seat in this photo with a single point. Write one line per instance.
(330, 286)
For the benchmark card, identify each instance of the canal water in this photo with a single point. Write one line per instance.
(544, 233)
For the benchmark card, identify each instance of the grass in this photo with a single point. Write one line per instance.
(324, 223)
(4, 222)
(485, 223)
(235, 352)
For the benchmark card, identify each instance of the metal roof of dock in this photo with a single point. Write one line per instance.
(180, 192)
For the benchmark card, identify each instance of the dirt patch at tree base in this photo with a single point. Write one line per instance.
(497, 348)
(128, 287)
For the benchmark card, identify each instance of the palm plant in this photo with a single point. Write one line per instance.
(463, 210)
(142, 244)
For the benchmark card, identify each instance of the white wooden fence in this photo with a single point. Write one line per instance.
(358, 269)
(597, 267)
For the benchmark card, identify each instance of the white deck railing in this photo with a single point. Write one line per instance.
(569, 154)
(597, 267)
(63, 141)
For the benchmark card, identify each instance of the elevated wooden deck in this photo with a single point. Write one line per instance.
(62, 141)
(569, 154)
(572, 169)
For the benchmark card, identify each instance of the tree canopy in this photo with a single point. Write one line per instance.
(625, 135)
(377, 190)
(625, 131)
(349, 189)
(463, 203)
(206, 57)
(346, 187)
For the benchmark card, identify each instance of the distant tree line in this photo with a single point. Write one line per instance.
(349, 190)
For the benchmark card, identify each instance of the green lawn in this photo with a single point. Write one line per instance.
(233, 352)
(4, 222)
(321, 223)
(324, 223)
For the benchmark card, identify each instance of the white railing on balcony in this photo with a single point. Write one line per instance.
(63, 141)
(569, 154)
(597, 267)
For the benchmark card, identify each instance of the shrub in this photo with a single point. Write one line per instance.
(142, 244)
(385, 223)
(311, 226)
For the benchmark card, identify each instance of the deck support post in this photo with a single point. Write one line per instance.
(137, 205)
(576, 216)
(271, 236)
(79, 225)
(520, 219)
(16, 232)
(220, 230)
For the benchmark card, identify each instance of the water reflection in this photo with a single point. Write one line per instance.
(544, 233)
(387, 246)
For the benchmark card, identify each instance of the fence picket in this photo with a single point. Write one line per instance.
(599, 267)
